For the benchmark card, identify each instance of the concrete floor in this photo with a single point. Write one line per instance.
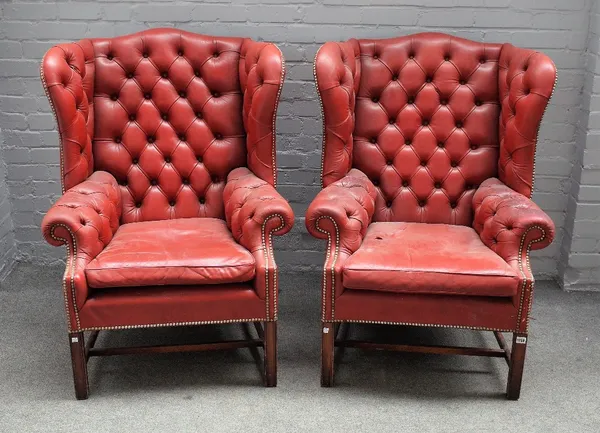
(221, 391)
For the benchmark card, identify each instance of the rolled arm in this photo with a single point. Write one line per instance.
(340, 213)
(90, 211)
(255, 211)
(344, 209)
(510, 223)
(250, 204)
(85, 218)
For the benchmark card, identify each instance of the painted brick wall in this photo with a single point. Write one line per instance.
(580, 267)
(7, 235)
(557, 27)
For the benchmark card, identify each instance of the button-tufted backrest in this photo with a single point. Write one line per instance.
(428, 117)
(168, 113)
(426, 129)
(169, 121)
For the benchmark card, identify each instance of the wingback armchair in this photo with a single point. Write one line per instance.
(428, 166)
(167, 163)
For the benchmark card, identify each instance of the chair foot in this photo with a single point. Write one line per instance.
(79, 362)
(327, 353)
(515, 370)
(270, 342)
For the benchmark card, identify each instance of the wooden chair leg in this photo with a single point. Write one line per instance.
(270, 342)
(515, 370)
(327, 352)
(80, 375)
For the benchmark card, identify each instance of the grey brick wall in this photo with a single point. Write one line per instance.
(8, 248)
(580, 267)
(557, 27)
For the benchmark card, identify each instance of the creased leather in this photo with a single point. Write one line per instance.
(350, 202)
(428, 258)
(86, 217)
(337, 71)
(166, 115)
(171, 252)
(526, 81)
(340, 213)
(254, 211)
(261, 78)
(429, 120)
(511, 225)
(503, 216)
(171, 306)
(68, 78)
(169, 121)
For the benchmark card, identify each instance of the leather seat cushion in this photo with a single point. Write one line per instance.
(428, 258)
(171, 252)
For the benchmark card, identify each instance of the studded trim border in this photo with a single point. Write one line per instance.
(267, 242)
(170, 324)
(324, 132)
(538, 131)
(69, 274)
(432, 325)
(520, 260)
(528, 280)
(528, 284)
(327, 258)
(279, 90)
(337, 231)
(60, 137)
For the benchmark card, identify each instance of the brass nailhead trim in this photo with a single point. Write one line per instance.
(432, 325)
(528, 278)
(267, 242)
(279, 89)
(327, 257)
(538, 133)
(519, 314)
(160, 325)
(60, 138)
(69, 270)
(71, 259)
(322, 114)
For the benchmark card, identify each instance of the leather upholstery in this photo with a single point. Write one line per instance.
(261, 80)
(475, 312)
(171, 252)
(255, 212)
(152, 125)
(85, 219)
(503, 217)
(169, 121)
(428, 258)
(341, 213)
(337, 83)
(526, 82)
(68, 75)
(350, 204)
(426, 121)
(512, 225)
(134, 307)
(431, 122)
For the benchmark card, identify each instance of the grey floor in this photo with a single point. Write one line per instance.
(221, 391)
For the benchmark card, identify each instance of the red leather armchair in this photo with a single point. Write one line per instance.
(428, 166)
(167, 143)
